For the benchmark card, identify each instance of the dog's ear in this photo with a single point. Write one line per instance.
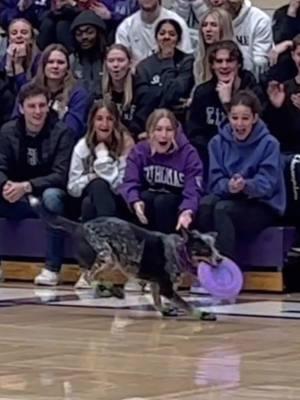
(214, 235)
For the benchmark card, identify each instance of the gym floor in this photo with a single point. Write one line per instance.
(63, 344)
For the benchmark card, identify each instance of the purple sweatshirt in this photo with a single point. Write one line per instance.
(121, 9)
(9, 10)
(178, 172)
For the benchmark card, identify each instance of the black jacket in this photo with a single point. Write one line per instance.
(284, 26)
(162, 83)
(7, 98)
(284, 122)
(284, 70)
(56, 149)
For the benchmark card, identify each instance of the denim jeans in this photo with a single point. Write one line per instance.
(53, 199)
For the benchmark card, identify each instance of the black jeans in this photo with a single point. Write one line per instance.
(233, 218)
(99, 200)
(161, 210)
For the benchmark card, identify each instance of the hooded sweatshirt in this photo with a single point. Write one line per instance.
(253, 31)
(178, 172)
(88, 65)
(162, 83)
(257, 159)
(190, 10)
(284, 26)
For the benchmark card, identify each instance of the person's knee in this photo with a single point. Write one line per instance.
(99, 185)
(224, 207)
(53, 200)
(166, 201)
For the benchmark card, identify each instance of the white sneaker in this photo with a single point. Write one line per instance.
(82, 283)
(46, 278)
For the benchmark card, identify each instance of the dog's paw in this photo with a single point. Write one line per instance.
(205, 315)
(101, 291)
(118, 292)
(170, 312)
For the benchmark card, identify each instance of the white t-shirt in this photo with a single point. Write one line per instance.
(139, 37)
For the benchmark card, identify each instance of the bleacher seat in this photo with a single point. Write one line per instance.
(27, 239)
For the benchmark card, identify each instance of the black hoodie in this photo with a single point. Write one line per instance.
(284, 122)
(162, 83)
(87, 65)
(53, 145)
(284, 26)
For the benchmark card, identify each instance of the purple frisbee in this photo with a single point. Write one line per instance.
(224, 281)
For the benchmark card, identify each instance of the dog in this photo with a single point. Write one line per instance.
(161, 259)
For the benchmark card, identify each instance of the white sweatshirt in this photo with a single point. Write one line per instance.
(184, 8)
(253, 31)
(104, 166)
(139, 37)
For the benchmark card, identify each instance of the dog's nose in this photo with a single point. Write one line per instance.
(219, 259)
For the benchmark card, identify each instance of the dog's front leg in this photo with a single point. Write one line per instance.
(179, 302)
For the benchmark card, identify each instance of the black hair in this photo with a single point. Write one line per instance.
(172, 22)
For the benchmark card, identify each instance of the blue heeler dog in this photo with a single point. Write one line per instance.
(158, 258)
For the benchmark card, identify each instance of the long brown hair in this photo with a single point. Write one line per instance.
(119, 140)
(107, 81)
(201, 70)
(67, 83)
(31, 48)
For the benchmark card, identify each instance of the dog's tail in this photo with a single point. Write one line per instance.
(53, 220)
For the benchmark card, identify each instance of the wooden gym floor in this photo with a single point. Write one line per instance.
(61, 344)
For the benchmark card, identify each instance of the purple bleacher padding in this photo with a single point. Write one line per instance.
(26, 238)
(268, 249)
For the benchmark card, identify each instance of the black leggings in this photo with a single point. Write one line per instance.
(233, 218)
(161, 210)
(99, 200)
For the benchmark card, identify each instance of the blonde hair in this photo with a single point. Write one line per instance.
(201, 71)
(68, 82)
(152, 122)
(31, 48)
(120, 138)
(107, 84)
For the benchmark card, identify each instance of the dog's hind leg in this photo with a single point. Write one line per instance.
(86, 257)
(155, 292)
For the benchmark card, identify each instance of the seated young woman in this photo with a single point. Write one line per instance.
(98, 163)
(246, 184)
(163, 177)
(67, 97)
(165, 79)
(118, 83)
(20, 61)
